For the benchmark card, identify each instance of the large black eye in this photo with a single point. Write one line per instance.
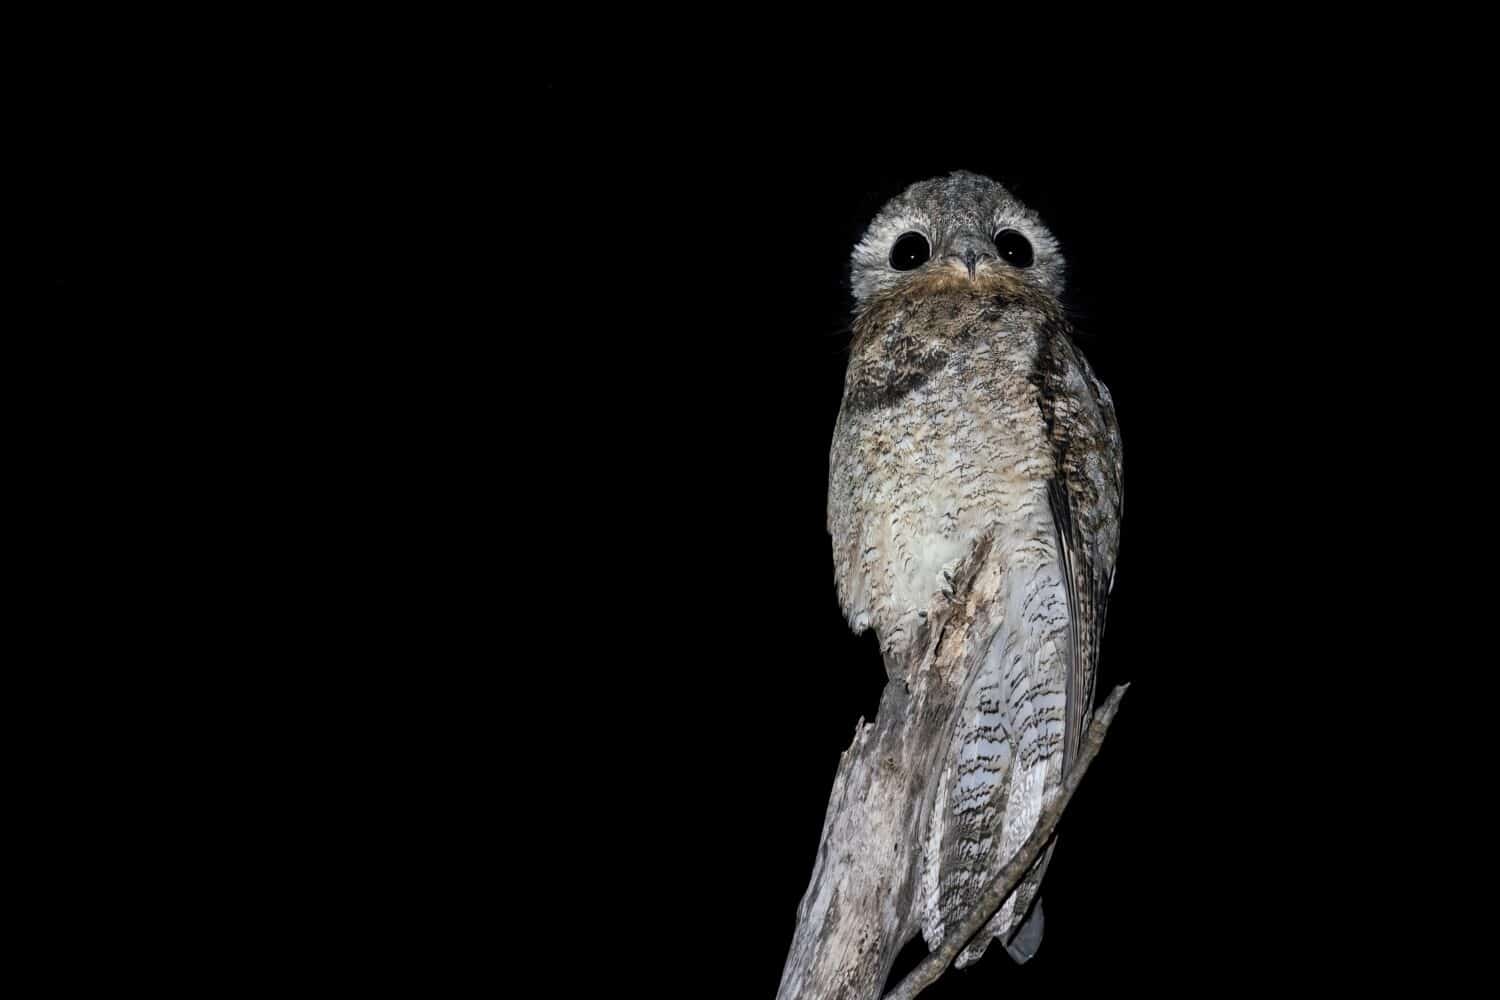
(911, 251)
(1013, 247)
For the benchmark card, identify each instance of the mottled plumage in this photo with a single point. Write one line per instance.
(969, 411)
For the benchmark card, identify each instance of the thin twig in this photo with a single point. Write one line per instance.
(1004, 883)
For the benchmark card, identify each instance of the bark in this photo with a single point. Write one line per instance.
(861, 905)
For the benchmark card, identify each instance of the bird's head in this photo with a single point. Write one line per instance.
(959, 233)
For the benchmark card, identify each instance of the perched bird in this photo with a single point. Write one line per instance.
(969, 412)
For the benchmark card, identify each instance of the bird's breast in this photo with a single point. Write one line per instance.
(915, 483)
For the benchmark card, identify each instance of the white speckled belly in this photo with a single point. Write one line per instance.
(925, 477)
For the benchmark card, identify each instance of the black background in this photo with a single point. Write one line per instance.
(523, 393)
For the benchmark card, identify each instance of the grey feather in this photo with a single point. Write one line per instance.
(968, 412)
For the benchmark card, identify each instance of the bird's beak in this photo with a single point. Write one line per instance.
(970, 250)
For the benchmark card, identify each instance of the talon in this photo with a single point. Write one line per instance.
(945, 580)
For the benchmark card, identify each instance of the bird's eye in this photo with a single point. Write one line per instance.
(1014, 247)
(911, 251)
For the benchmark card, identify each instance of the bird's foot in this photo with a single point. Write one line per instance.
(945, 578)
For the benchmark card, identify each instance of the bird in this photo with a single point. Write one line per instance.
(969, 413)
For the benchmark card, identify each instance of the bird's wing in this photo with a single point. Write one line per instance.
(1035, 691)
(1085, 498)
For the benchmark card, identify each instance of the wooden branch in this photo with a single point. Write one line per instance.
(862, 901)
(1010, 876)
